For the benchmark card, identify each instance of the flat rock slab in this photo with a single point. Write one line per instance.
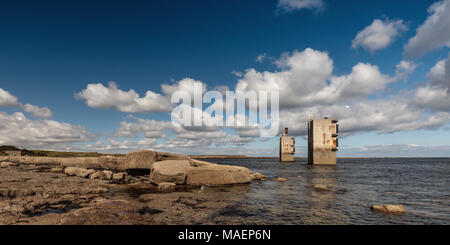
(215, 174)
(198, 173)
(174, 171)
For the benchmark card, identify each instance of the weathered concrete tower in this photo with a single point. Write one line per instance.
(322, 141)
(287, 147)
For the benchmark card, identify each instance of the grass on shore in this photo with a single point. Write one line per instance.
(42, 153)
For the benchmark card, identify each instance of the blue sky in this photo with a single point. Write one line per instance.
(51, 51)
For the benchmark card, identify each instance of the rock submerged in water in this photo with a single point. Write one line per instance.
(77, 171)
(320, 187)
(389, 209)
(258, 176)
(280, 179)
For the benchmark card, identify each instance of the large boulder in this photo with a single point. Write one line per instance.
(80, 172)
(204, 173)
(141, 159)
(173, 171)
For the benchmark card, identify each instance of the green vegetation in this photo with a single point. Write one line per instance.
(40, 153)
(8, 148)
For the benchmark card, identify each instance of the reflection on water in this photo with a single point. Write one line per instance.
(420, 184)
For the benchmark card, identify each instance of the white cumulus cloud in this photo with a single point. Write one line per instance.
(307, 78)
(18, 130)
(99, 96)
(7, 99)
(434, 33)
(39, 112)
(379, 34)
(436, 94)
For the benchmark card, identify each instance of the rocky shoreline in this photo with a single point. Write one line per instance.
(147, 188)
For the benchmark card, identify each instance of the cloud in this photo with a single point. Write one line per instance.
(307, 78)
(397, 150)
(383, 116)
(20, 131)
(439, 75)
(101, 97)
(404, 69)
(186, 84)
(291, 5)
(308, 89)
(379, 34)
(7, 99)
(38, 111)
(260, 58)
(433, 33)
(436, 94)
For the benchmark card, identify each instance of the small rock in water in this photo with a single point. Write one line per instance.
(321, 187)
(8, 164)
(98, 175)
(166, 186)
(388, 208)
(108, 174)
(258, 176)
(118, 176)
(299, 177)
(280, 179)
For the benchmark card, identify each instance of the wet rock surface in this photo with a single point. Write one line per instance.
(389, 209)
(41, 194)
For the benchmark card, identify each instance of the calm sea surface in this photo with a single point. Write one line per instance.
(421, 185)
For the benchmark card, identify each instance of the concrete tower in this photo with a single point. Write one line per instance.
(322, 141)
(287, 147)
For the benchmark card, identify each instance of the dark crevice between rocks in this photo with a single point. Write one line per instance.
(135, 192)
(147, 210)
(58, 208)
(138, 172)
